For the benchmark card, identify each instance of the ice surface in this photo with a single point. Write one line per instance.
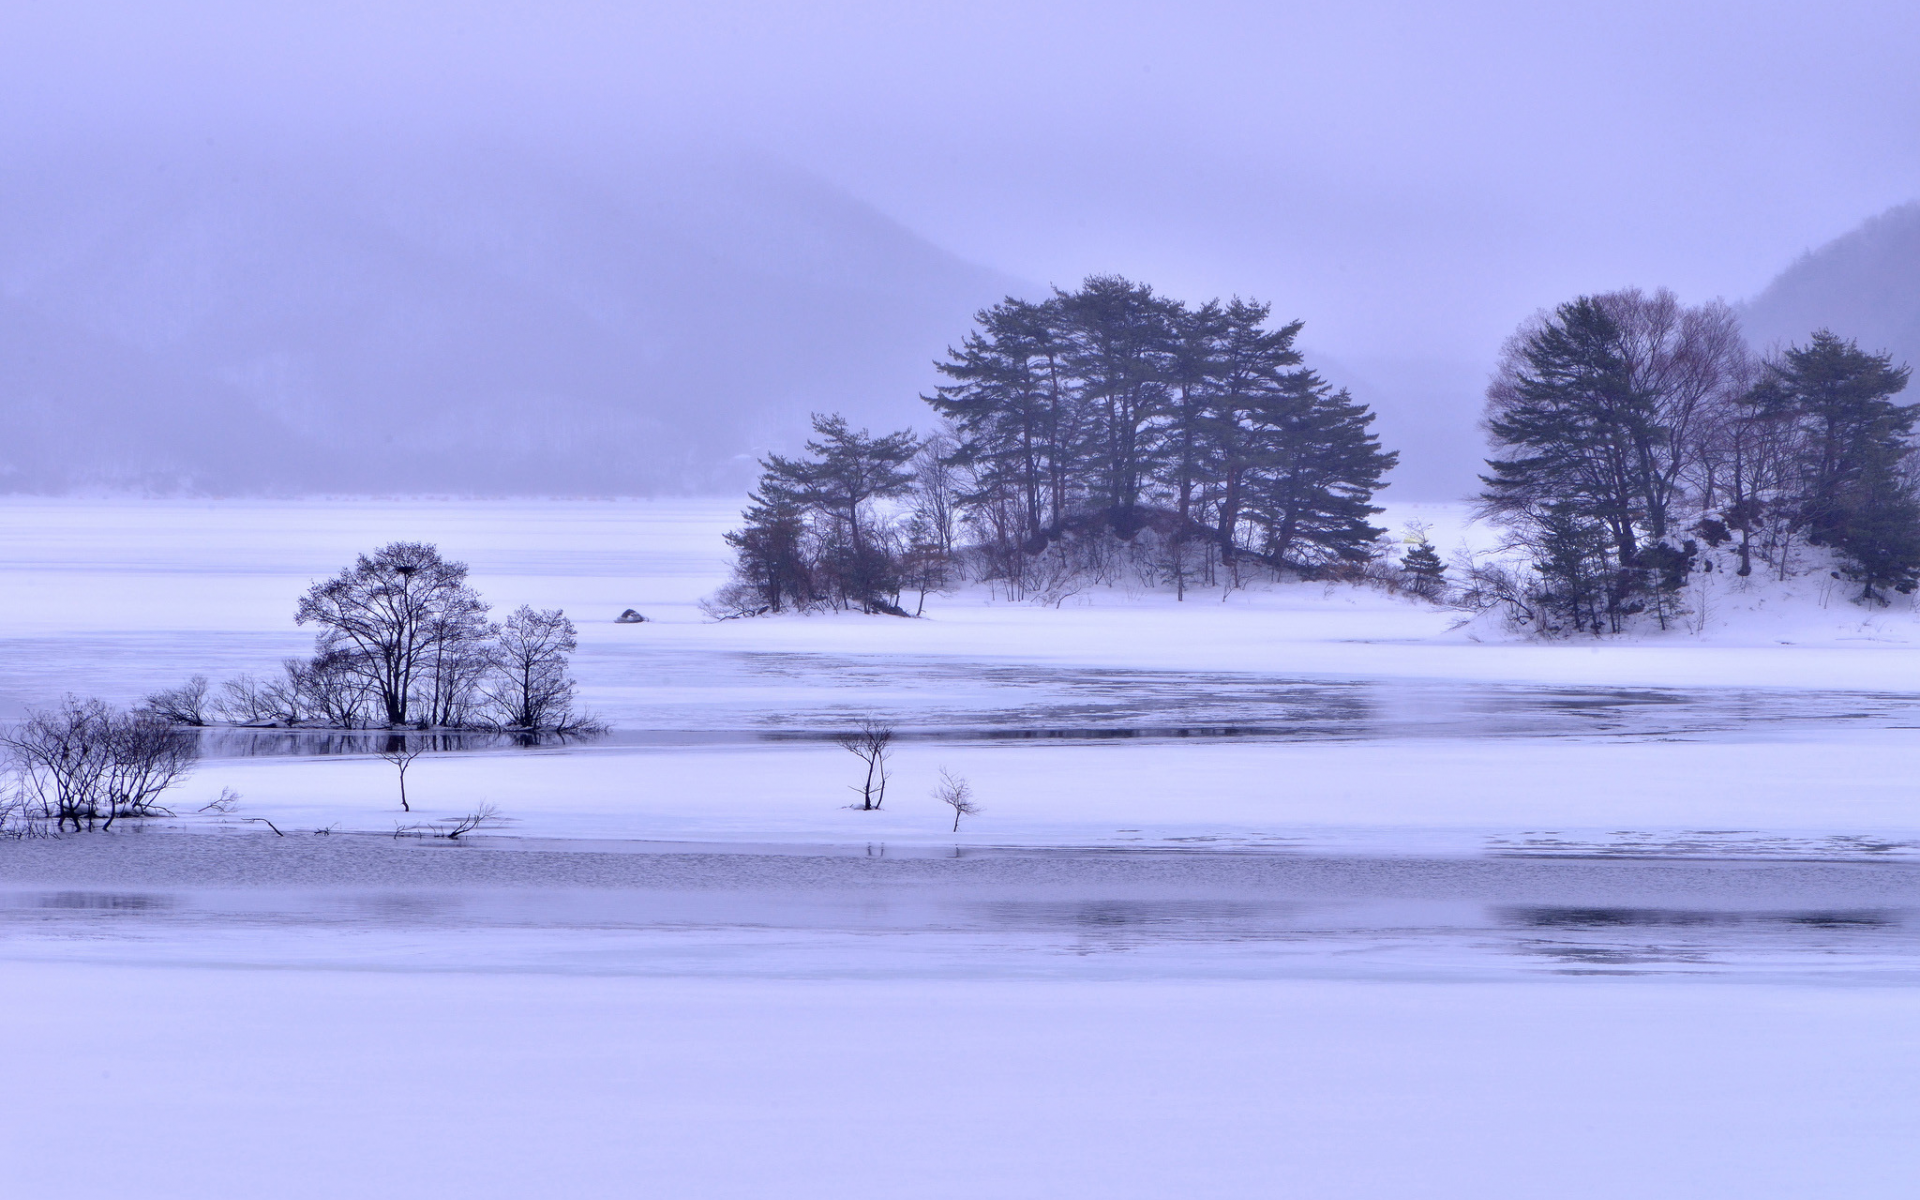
(743, 911)
(370, 1084)
(1304, 893)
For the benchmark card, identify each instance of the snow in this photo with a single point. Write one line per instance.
(301, 1084)
(308, 1025)
(1404, 730)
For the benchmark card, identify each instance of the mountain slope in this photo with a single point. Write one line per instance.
(417, 319)
(1863, 285)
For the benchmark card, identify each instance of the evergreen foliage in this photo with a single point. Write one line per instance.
(1100, 431)
(1619, 419)
(813, 532)
(1111, 409)
(1851, 439)
(1426, 574)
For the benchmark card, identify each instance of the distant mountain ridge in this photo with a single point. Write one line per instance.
(424, 320)
(1863, 285)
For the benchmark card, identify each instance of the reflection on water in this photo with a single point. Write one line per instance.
(365, 900)
(1554, 917)
(736, 698)
(114, 902)
(258, 742)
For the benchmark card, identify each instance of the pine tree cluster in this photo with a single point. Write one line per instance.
(1102, 434)
(814, 536)
(1090, 417)
(1629, 428)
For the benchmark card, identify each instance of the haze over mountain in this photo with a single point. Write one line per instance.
(415, 318)
(218, 318)
(405, 317)
(1863, 285)
(1412, 180)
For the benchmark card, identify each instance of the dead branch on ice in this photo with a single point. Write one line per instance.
(480, 818)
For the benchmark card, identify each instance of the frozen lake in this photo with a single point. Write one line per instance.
(770, 912)
(1259, 888)
(1297, 717)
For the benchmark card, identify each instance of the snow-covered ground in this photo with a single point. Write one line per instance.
(687, 967)
(1287, 715)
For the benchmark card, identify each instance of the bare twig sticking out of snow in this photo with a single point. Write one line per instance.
(956, 793)
(225, 802)
(264, 821)
(479, 818)
(484, 817)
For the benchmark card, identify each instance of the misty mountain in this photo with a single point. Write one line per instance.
(1428, 410)
(414, 319)
(1864, 285)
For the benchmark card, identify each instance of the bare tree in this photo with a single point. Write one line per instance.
(1490, 584)
(389, 613)
(530, 686)
(18, 818)
(925, 568)
(872, 743)
(401, 751)
(81, 763)
(957, 794)
(145, 756)
(936, 492)
(183, 705)
(1690, 363)
(60, 756)
(246, 700)
(224, 803)
(457, 661)
(334, 687)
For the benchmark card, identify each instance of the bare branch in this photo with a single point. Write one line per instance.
(872, 744)
(956, 793)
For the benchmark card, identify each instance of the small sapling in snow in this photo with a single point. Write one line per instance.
(956, 793)
(872, 743)
(401, 752)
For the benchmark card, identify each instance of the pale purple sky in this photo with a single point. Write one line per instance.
(1413, 179)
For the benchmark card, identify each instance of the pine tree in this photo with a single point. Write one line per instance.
(1879, 541)
(1019, 421)
(1317, 467)
(1852, 494)
(1426, 574)
(771, 548)
(1572, 559)
(1257, 379)
(1079, 423)
(1121, 341)
(1189, 455)
(834, 490)
(1570, 419)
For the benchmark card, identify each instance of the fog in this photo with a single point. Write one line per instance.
(405, 317)
(597, 248)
